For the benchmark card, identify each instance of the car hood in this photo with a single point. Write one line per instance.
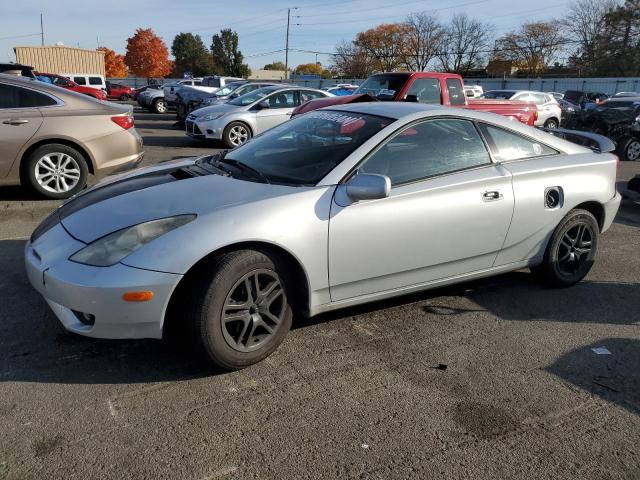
(157, 192)
(222, 107)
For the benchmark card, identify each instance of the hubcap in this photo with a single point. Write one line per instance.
(57, 172)
(253, 310)
(633, 150)
(238, 134)
(162, 107)
(574, 249)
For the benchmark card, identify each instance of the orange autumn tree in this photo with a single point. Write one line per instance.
(114, 63)
(147, 55)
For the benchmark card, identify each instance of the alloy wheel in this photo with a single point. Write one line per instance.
(633, 150)
(161, 107)
(238, 134)
(253, 310)
(57, 172)
(574, 249)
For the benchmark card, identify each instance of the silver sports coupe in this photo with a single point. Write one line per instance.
(337, 207)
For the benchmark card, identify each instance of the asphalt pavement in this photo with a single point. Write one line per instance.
(492, 379)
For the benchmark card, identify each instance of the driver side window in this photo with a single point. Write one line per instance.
(285, 99)
(427, 149)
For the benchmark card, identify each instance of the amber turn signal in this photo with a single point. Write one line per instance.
(137, 296)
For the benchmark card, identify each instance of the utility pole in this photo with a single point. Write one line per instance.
(286, 48)
(41, 32)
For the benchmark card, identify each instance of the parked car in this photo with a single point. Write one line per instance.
(582, 99)
(189, 99)
(473, 91)
(139, 90)
(341, 90)
(569, 113)
(119, 91)
(619, 120)
(153, 100)
(626, 94)
(17, 69)
(170, 89)
(427, 88)
(213, 83)
(557, 95)
(52, 138)
(549, 111)
(236, 121)
(335, 208)
(64, 82)
(88, 80)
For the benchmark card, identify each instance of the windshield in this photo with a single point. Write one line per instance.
(251, 97)
(302, 151)
(383, 87)
(498, 94)
(227, 89)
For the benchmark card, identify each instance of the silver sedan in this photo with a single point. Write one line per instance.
(240, 119)
(337, 207)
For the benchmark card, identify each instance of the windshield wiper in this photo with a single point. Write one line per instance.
(243, 167)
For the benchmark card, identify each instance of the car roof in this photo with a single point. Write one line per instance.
(623, 99)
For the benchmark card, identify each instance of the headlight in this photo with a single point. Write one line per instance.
(213, 116)
(112, 248)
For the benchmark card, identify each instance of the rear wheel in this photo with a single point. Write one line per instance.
(55, 171)
(629, 149)
(236, 134)
(124, 97)
(571, 251)
(159, 106)
(551, 123)
(241, 313)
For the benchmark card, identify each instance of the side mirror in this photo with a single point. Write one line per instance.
(411, 98)
(368, 186)
(263, 104)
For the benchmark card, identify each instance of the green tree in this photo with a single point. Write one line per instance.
(191, 55)
(274, 66)
(226, 55)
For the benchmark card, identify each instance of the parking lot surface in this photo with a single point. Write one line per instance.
(491, 379)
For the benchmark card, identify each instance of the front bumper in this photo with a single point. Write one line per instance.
(198, 129)
(70, 287)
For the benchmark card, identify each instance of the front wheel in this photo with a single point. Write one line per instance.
(571, 251)
(124, 97)
(241, 313)
(236, 134)
(629, 149)
(551, 123)
(159, 106)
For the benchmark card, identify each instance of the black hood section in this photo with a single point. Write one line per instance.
(115, 189)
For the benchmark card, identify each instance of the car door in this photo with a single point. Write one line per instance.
(281, 105)
(20, 119)
(447, 214)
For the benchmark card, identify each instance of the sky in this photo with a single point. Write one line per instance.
(261, 25)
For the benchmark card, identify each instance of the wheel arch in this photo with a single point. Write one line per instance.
(300, 280)
(63, 141)
(594, 208)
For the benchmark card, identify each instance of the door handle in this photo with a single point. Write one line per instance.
(15, 121)
(491, 196)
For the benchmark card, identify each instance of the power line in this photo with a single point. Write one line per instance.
(21, 36)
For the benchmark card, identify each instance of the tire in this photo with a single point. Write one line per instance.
(243, 339)
(124, 97)
(55, 171)
(571, 251)
(159, 106)
(235, 134)
(629, 149)
(551, 123)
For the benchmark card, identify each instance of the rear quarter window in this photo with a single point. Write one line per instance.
(506, 145)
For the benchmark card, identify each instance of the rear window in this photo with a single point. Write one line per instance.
(499, 94)
(95, 81)
(80, 80)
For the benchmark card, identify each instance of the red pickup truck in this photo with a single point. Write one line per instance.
(428, 88)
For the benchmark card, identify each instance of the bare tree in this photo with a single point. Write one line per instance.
(423, 40)
(533, 47)
(465, 42)
(586, 20)
(352, 61)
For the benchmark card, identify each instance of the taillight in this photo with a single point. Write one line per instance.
(125, 121)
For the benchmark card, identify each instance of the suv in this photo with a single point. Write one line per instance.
(88, 80)
(119, 91)
(170, 89)
(60, 81)
(549, 111)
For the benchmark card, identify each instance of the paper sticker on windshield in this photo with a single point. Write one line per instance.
(386, 91)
